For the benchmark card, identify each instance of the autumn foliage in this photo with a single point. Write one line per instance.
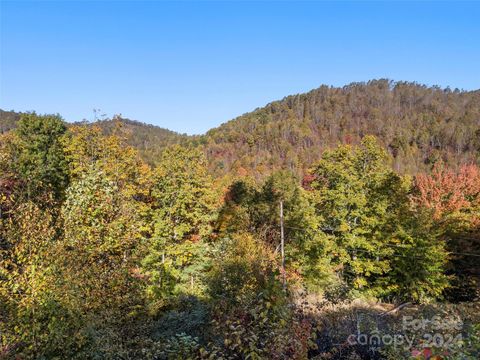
(446, 191)
(104, 256)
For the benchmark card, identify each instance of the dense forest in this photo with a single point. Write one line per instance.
(121, 240)
(417, 124)
(8, 120)
(149, 140)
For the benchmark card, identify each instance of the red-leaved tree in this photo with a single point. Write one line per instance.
(446, 191)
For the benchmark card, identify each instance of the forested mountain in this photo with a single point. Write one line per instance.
(106, 256)
(418, 125)
(149, 140)
(8, 120)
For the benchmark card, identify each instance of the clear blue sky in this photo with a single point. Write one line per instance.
(191, 66)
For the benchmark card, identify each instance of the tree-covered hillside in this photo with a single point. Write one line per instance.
(104, 256)
(149, 140)
(8, 120)
(227, 180)
(418, 125)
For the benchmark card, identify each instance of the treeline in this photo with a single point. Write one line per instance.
(8, 120)
(105, 256)
(149, 140)
(418, 125)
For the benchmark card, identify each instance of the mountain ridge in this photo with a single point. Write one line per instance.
(418, 124)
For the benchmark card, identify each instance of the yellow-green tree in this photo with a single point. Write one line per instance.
(34, 320)
(104, 228)
(39, 160)
(183, 209)
(86, 147)
(100, 247)
(363, 206)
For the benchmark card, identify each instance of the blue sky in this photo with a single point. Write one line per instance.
(192, 66)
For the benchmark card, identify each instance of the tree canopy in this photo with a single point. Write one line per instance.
(106, 253)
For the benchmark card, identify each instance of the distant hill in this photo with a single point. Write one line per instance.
(150, 140)
(8, 120)
(416, 123)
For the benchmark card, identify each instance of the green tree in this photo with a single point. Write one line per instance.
(39, 156)
(255, 209)
(418, 262)
(34, 323)
(183, 208)
(97, 261)
(364, 208)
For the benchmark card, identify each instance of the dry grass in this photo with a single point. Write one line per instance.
(336, 321)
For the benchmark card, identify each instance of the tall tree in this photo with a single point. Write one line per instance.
(33, 320)
(40, 160)
(101, 237)
(452, 198)
(364, 207)
(183, 208)
(104, 227)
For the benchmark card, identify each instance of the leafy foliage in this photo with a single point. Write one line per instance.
(452, 197)
(363, 207)
(169, 249)
(33, 319)
(417, 124)
(250, 308)
(182, 210)
(38, 156)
